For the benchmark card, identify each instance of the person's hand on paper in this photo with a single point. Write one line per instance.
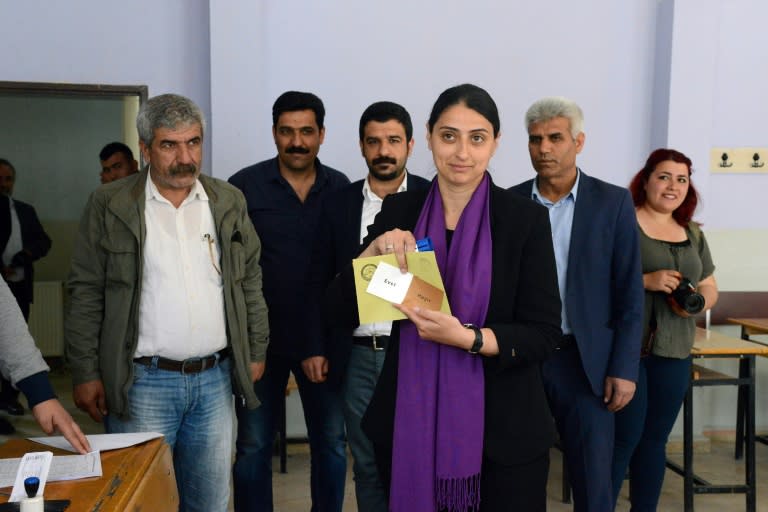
(448, 330)
(89, 397)
(315, 368)
(395, 242)
(52, 417)
(257, 370)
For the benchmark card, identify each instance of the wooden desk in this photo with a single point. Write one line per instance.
(136, 478)
(711, 344)
(749, 327)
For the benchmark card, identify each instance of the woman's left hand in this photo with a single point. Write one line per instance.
(448, 330)
(438, 326)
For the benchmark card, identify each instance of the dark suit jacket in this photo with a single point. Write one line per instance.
(34, 240)
(604, 285)
(524, 313)
(338, 242)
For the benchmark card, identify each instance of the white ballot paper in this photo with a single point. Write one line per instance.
(61, 467)
(32, 464)
(389, 283)
(100, 442)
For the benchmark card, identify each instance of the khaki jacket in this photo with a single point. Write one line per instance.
(101, 327)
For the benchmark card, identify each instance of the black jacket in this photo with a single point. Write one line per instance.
(34, 240)
(337, 243)
(524, 313)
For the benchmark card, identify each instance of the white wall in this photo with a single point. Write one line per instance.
(716, 98)
(161, 44)
(692, 79)
(352, 53)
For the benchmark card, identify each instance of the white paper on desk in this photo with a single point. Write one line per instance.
(101, 442)
(32, 464)
(74, 467)
(63, 467)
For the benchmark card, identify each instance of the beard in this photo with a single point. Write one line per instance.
(385, 176)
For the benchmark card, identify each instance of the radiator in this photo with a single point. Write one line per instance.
(46, 317)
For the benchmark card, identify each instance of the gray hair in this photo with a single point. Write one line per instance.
(549, 108)
(170, 111)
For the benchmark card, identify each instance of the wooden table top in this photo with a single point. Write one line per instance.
(752, 325)
(708, 342)
(122, 473)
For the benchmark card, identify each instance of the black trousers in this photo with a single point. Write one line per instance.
(522, 487)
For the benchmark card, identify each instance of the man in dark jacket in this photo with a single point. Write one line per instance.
(355, 358)
(593, 372)
(284, 196)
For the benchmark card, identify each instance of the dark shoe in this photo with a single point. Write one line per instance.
(6, 428)
(12, 407)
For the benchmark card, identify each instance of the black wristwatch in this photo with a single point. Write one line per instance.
(478, 343)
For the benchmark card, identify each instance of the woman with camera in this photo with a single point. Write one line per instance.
(679, 283)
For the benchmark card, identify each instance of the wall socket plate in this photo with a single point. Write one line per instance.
(742, 160)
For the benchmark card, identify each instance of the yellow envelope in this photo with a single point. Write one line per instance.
(374, 309)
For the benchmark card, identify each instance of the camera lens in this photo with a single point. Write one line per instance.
(688, 298)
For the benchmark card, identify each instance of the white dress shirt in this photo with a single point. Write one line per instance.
(181, 311)
(14, 246)
(371, 207)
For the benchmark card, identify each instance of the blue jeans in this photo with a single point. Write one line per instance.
(194, 412)
(643, 427)
(363, 372)
(256, 432)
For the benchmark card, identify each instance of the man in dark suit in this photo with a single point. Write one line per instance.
(355, 358)
(22, 241)
(593, 373)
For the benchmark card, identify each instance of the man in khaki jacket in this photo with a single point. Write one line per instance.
(166, 304)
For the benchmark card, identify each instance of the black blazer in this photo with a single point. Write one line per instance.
(34, 240)
(524, 313)
(337, 243)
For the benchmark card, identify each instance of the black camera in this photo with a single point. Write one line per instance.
(687, 297)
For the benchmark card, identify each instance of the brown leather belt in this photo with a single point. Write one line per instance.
(376, 342)
(191, 365)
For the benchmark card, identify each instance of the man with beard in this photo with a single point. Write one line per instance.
(284, 196)
(166, 311)
(356, 357)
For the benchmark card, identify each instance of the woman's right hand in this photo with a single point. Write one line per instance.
(665, 281)
(396, 242)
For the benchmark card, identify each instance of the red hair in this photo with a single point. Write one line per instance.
(683, 213)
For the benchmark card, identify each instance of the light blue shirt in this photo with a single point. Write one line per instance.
(561, 219)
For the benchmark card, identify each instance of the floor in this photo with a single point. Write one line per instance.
(291, 490)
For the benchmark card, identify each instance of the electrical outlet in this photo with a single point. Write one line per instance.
(739, 160)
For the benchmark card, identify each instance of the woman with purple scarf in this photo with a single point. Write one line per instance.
(459, 418)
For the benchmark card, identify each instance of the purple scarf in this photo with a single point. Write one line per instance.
(438, 438)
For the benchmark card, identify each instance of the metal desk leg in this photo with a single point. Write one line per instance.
(688, 450)
(740, 403)
(749, 362)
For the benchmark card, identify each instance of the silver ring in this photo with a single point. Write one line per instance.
(389, 247)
